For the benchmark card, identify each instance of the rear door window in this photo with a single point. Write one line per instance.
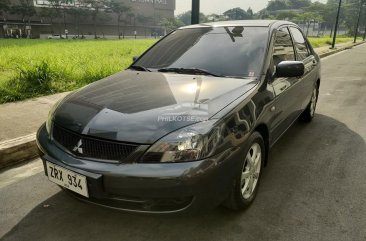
(301, 46)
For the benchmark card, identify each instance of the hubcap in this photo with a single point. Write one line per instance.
(313, 102)
(251, 170)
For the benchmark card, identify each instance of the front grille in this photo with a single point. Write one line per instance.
(89, 147)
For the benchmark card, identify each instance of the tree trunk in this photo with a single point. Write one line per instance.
(29, 30)
(78, 29)
(64, 16)
(59, 24)
(95, 27)
(331, 31)
(307, 29)
(95, 24)
(5, 23)
(95, 30)
(76, 18)
(119, 31)
(25, 24)
(51, 20)
(319, 25)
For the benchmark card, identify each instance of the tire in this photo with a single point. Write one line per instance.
(242, 194)
(309, 112)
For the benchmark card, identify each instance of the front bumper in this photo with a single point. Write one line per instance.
(149, 188)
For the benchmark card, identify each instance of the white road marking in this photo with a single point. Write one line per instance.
(21, 172)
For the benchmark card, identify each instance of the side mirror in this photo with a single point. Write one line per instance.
(135, 58)
(290, 69)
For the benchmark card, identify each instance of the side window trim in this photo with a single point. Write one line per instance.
(310, 49)
(291, 38)
(310, 53)
(292, 41)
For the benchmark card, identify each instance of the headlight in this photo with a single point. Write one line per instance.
(191, 143)
(50, 116)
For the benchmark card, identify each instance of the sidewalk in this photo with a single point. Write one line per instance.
(25, 117)
(20, 120)
(327, 49)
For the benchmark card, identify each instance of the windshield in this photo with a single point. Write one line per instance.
(224, 51)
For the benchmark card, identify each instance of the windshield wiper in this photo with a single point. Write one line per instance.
(139, 68)
(190, 71)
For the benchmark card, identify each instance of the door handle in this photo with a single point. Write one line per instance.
(315, 63)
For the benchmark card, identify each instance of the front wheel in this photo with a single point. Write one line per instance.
(309, 112)
(246, 185)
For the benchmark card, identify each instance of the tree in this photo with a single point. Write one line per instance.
(132, 18)
(237, 14)
(4, 8)
(351, 12)
(26, 10)
(263, 14)
(298, 4)
(56, 5)
(96, 6)
(170, 24)
(324, 14)
(330, 14)
(78, 14)
(144, 20)
(250, 12)
(60, 9)
(276, 5)
(48, 13)
(287, 15)
(118, 8)
(307, 18)
(215, 17)
(185, 18)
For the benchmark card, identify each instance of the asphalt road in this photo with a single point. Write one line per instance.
(314, 187)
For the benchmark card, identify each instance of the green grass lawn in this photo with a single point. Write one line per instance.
(30, 68)
(320, 42)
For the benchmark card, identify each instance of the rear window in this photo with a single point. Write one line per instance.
(228, 51)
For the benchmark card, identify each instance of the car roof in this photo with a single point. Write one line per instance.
(243, 23)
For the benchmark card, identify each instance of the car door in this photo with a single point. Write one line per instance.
(304, 53)
(287, 103)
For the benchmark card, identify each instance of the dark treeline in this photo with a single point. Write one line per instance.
(304, 12)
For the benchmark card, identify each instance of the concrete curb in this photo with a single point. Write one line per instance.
(25, 148)
(18, 150)
(323, 55)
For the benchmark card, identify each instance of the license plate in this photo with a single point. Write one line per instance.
(67, 179)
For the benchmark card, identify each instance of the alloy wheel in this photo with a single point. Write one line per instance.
(313, 102)
(251, 170)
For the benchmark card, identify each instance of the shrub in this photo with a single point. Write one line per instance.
(32, 80)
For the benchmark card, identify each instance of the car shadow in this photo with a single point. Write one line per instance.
(300, 197)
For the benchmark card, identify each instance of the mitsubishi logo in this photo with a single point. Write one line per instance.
(78, 147)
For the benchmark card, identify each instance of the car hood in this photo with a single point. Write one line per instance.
(142, 107)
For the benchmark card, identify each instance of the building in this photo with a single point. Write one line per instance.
(85, 18)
